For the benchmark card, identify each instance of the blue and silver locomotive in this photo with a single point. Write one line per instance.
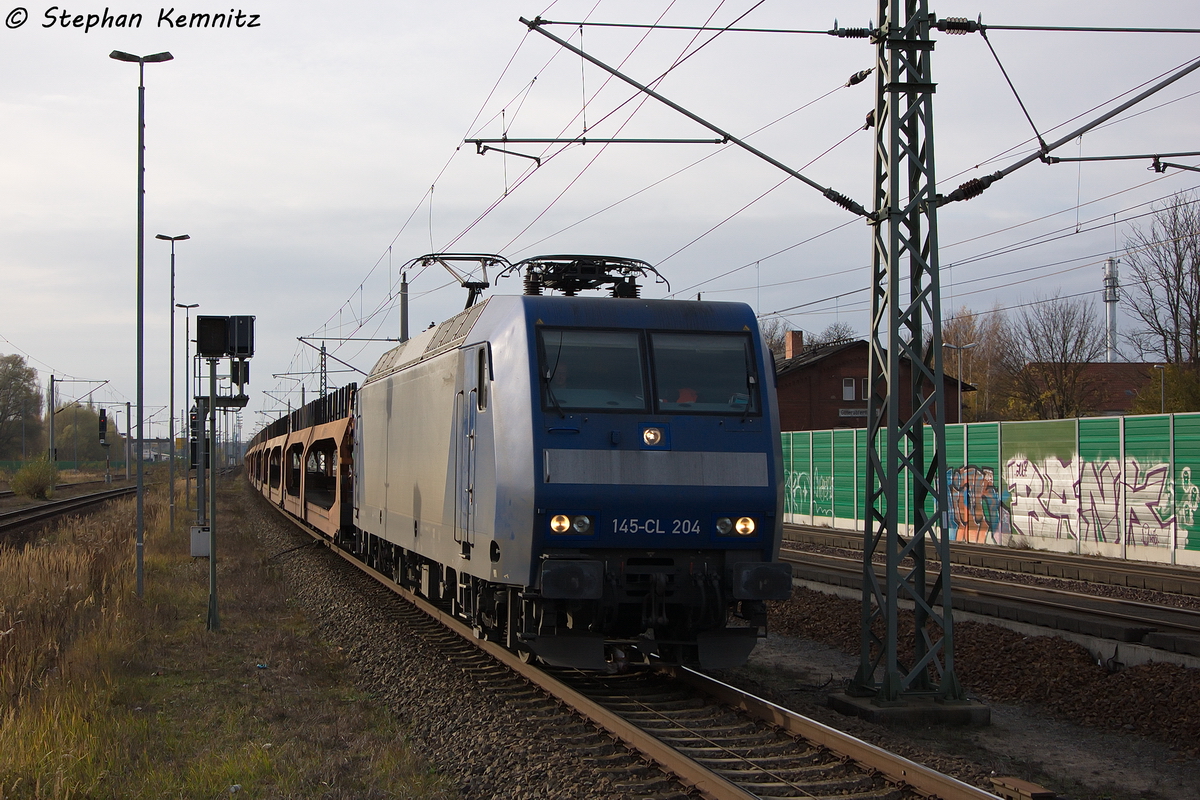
(593, 481)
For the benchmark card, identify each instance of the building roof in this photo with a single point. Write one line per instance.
(819, 353)
(814, 354)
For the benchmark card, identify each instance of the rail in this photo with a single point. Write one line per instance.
(1106, 617)
(29, 515)
(1152, 576)
(735, 778)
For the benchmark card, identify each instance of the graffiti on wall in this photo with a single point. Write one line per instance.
(1057, 500)
(1149, 510)
(1088, 485)
(1044, 498)
(977, 511)
(1064, 500)
(802, 489)
(798, 492)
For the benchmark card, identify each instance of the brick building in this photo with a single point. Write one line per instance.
(826, 387)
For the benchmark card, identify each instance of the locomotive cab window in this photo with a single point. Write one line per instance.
(591, 369)
(705, 372)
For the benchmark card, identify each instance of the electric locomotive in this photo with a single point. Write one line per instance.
(593, 481)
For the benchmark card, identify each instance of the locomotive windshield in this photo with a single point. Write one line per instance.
(604, 370)
(592, 369)
(704, 372)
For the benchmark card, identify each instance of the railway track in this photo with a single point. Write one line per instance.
(1165, 627)
(1153, 577)
(10, 493)
(10, 520)
(710, 738)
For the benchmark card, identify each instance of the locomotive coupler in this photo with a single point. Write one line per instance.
(654, 607)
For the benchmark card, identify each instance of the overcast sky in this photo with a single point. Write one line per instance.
(311, 155)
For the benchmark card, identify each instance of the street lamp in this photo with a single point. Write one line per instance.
(187, 322)
(1162, 388)
(141, 61)
(172, 240)
(960, 348)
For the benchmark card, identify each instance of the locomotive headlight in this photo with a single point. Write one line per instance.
(724, 526)
(744, 526)
(582, 524)
(652, 436)
(560, 523)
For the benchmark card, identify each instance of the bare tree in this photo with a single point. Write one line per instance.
(1046, 354)
(834, 333)
(774, 332)
(984, 335)
(1163, 277)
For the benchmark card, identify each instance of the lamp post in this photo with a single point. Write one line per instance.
(187, 322)
(1162, 388)
(960, 348)
(141, 61)
(172, 407)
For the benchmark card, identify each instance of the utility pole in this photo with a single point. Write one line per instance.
(128, 444)
(214, 621)
(324, 373)
(902, 408)
(51, 455)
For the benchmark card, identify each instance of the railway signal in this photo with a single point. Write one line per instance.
(216, 338)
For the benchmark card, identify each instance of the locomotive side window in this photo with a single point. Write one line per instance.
(699, 372)
(590, 369)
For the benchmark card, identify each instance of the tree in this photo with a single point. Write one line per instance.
(1173, 389)
(1046, 356)
(774, 332)
(20, 408)
(982, 364)
(1163, 277)
(834, 333)
(77, 434)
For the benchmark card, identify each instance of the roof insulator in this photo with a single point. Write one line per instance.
(958, 26)
(859, 77)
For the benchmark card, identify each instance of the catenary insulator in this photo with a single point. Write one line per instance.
(958, 26)
(972, 188)
(859, 77)
(845, 202)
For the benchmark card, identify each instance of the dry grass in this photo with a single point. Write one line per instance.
(111, 696)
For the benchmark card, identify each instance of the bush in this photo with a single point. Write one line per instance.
(36, 479)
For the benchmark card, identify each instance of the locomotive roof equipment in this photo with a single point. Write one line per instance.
(474, 288)
(571, 274)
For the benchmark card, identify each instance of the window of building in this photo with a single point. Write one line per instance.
(847, 388)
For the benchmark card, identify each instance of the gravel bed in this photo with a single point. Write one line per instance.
(1028, 579)
(1059, 718)
(496, 743)
(497, 746)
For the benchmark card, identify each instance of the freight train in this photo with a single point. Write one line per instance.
(595, 482)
